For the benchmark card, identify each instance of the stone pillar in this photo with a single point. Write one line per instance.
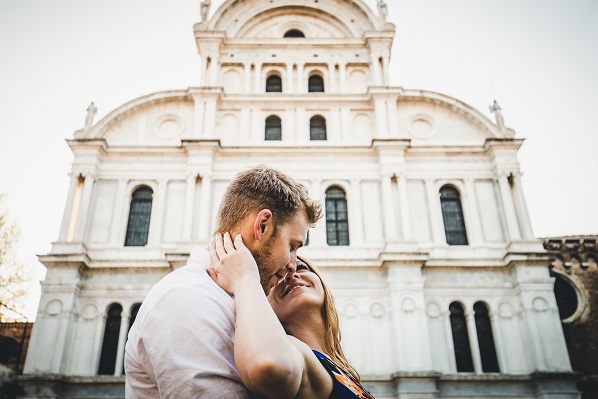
(84, 209)
(385, 65)
(210, 118)
(258, 78)
(521, 206)
(404, 212)
(214, 71)
(198, 115)
(247, 78)
(435, 213)
(346, 131)
(300, 81)
(473, 340)
(356, 224)
(122, 339)
(204, 71)
(342, 70)
(205, 220)
(289, 89)
(157, 216)
(509, 208)
(68, 208)
(331, 76)
(474, 214)
(390, 229)
(117, 218)
(188, 212)
(393, 119)
(409, 318)
(381, 125)
(376, 73)
(317, 236)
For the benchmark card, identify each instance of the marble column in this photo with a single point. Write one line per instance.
(157, 215)
(473, 340)
(435, 213)
(521, 206)
(376, 73)
(300, 79)
(204, 224)
(84, 208)
(356, 224)
(116, 238)
(509, 207)
(258, 78)
(390, 228)
(476, 235)
(188, 211)
(331, 76)
(68, 209)
(342, 70)
(404, 212)
(122, 339)
(289, 85)
(247, 78)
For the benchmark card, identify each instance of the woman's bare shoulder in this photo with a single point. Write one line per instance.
(316, 382)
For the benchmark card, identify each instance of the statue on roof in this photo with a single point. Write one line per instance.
(205, 9)
(382, 10)
(500, 122)
(91, 113)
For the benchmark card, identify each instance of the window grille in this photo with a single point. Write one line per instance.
(110, 342)
(274, 84)
(452, 215)
(273, 128)
(316, 84)
(139, 217)
(337, 223)
(317, 128)
(460, 338)
(485, 338)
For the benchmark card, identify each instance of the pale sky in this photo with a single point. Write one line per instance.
(538, 58)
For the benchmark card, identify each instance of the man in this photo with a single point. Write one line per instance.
(181, 344)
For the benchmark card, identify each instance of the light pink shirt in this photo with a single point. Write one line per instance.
(181, 344)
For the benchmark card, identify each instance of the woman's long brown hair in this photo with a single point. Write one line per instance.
(332, 333)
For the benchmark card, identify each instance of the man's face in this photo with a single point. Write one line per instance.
(281, 249)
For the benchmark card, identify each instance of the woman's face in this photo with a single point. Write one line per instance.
(296, 292)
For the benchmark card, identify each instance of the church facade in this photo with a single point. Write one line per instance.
(442, 289)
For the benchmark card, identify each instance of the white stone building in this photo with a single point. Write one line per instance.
(427, 245)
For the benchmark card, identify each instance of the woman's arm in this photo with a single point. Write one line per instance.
(269, 362)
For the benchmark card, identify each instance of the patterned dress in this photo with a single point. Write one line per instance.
(344, 386)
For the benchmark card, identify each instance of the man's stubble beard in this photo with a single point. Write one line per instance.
(263, 258)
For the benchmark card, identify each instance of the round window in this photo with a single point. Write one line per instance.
(566, 296)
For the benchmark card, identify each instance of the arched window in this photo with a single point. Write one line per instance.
(315, 84)
(317, 128)
(565, 295)
(110, 343)
(337, 223)
(485, 338)
(139, 217)
(294, 33)
(273, 128)
(452, 215)
(274, 84)
(132, 317)
(460, 338)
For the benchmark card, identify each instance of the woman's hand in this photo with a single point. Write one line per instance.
(231, 263)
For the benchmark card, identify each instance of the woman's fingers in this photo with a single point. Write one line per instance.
(228, 243)
(219, 243)
(239, 245)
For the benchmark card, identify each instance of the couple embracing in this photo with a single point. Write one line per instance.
(245, 317)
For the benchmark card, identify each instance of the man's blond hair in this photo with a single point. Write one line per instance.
(260, 188)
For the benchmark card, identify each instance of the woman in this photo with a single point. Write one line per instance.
(306, 363)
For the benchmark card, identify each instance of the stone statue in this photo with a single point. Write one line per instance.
(500, 122)
(91, 113)
(205, 10)
(382, 10)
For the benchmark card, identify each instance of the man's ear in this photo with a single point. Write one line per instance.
(263, 225)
